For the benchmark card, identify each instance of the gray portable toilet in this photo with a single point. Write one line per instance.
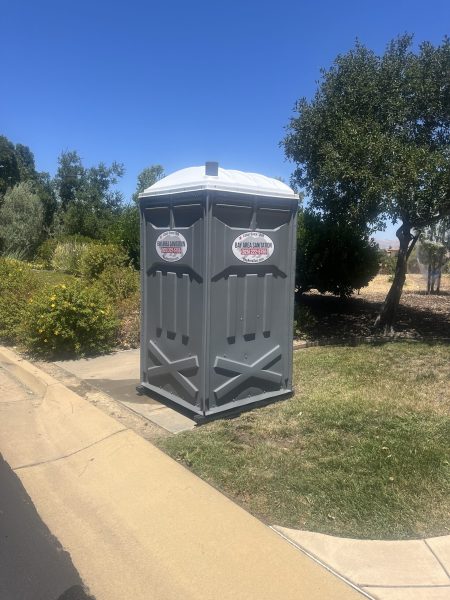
(218, 273)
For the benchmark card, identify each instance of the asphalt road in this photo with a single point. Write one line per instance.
(33, 564)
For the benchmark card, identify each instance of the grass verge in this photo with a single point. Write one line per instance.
(52, 277)
(362, 449)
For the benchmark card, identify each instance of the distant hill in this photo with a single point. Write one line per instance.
(386, 243)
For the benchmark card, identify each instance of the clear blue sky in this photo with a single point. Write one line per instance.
(178, 83)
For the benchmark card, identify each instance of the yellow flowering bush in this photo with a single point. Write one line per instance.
(70, 320)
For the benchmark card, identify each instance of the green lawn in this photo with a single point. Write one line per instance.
(362, 450)
(52, 277)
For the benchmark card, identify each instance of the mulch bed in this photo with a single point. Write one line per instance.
(420, 316)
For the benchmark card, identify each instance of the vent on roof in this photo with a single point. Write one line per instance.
(212, 169)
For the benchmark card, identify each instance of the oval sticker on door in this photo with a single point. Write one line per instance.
(253, 247)
(171, 246)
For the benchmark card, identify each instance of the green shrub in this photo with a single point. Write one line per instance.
(332, 257)
(125, 231)
(97, 257)
(119, 282)
(17, 284)
(45, 252)
(67, 256)
(129, 329)
(17, 254)
(387, 263)
(69, 320)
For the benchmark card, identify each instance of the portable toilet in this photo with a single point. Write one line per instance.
(217, 274)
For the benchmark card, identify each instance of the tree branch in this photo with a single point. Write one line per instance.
(411, 248)
(426, 222)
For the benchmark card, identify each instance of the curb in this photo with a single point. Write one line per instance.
(38, 381)
(323, 564)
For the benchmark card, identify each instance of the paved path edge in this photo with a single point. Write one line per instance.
(323, 564)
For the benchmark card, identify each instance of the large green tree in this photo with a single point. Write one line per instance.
(44, 188)
(17, 165)
(25, 160)
(9, 166)
(373, 145)
(146, 178)
(125, 228)
(40, 182)
(87, 196)
(21, 221)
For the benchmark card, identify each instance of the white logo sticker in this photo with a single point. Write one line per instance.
(171, 246)
(253, 247)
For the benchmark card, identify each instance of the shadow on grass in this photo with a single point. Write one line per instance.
(441, 294)
(331, 319)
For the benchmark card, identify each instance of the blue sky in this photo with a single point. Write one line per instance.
(178, 83)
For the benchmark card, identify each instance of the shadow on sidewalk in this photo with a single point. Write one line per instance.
(33, 564)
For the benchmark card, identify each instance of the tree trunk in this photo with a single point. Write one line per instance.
(441, 263)
(433, 275)
(386, 318)
(439, 277)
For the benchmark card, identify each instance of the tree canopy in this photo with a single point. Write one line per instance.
(21, 221)
(9, 166)
(79, 201)
(373, 145)
(87, 198)
(148, 177)
(17, 166)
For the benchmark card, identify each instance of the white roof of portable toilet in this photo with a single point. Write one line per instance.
(226, 180)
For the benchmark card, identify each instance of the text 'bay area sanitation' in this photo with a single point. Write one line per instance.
(171, 246)
(253, 247)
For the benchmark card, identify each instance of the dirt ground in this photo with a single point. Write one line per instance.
(420, 315)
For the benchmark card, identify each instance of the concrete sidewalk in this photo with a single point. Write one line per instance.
(136, 523)
(386, 570)
(117, 374)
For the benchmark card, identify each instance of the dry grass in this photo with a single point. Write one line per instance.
(414, 284)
